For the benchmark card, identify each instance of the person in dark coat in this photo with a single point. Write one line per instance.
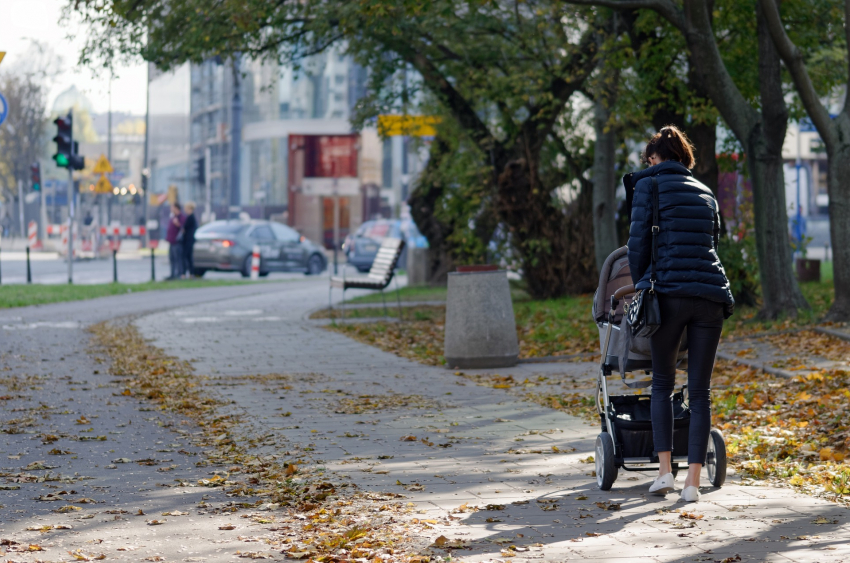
(174, 236)
(189, 228)
(693, 293)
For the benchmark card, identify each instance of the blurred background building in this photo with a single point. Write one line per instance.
(294, 126)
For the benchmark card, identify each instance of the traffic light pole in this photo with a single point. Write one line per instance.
(21, 208)
(71, 197)
(42, 216)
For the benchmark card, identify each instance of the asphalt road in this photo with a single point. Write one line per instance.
(47, 269)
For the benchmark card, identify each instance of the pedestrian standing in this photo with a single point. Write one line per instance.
(693, 293)
(189, 228)
(174, 236)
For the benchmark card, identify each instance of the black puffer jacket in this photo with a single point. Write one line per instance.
(687, 264)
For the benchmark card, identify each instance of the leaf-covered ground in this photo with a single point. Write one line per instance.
(794, 432)
(311, 517)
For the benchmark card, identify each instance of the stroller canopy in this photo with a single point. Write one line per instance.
(614, 275)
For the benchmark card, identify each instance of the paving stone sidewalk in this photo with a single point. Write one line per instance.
(485, 468)
(79, 460)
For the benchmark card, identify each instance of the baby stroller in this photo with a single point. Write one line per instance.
(626, 438)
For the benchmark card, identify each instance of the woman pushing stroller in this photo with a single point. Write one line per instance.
(692, 291)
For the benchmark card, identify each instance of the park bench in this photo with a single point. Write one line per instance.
(379, 277)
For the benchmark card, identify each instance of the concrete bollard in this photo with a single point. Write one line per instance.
(255, 263)
(480, 324)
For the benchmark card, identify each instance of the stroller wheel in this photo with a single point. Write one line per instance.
(606, 471)
(715, 459)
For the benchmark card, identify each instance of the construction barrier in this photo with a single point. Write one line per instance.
(255, 263)
(32, 236)
(123, 231)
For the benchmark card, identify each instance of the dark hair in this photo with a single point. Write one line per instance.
(177, 205)
(670, 144)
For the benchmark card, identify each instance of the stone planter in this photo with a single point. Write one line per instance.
(808, 270)
(480, 324)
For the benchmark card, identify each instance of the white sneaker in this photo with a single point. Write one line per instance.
(690, 494)
(662, 485)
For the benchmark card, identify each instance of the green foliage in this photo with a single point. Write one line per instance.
(739, 260)
(466, 179)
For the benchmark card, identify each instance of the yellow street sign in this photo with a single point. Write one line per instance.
(2, 54)
(411, 125)
(103, 186)
(172, 195)
(102, 166)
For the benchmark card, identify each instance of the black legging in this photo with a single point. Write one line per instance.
(703, 320)
(189, 258)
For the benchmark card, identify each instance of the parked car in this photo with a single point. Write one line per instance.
(227, 246)
(361, 247)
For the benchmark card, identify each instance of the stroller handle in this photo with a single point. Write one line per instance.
(623, 291)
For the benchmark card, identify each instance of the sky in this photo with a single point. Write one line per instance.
(22, 20)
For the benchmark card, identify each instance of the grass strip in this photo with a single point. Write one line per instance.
(19, 295)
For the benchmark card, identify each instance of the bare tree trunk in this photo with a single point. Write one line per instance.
(423, 202)
(780, 290)
(839, 223)
(836, 136)
(605, 239)
(555, 247)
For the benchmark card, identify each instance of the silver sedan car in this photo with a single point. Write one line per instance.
(227, 246)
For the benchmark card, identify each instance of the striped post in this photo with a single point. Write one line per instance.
(255, 263)
(32, 234)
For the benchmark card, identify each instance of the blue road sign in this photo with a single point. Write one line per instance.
(4, 109)
(806, 125)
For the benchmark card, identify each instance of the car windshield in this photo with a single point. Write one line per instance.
(377, 231)
(221, 229)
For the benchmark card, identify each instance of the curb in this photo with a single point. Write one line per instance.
(832, 332)
(556, 359)
(306, 316)
(756, 365)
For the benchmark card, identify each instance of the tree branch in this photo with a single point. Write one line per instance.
(457, 103)
(665, 8)
(793, 59)
(736, 110)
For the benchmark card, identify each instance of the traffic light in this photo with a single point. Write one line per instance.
(200, 170)
(66, 148)
(77, 162)
(35, 176)
(64, 141)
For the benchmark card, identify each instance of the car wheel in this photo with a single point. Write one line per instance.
(264, 274)
(246, 267)
(315, 265)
